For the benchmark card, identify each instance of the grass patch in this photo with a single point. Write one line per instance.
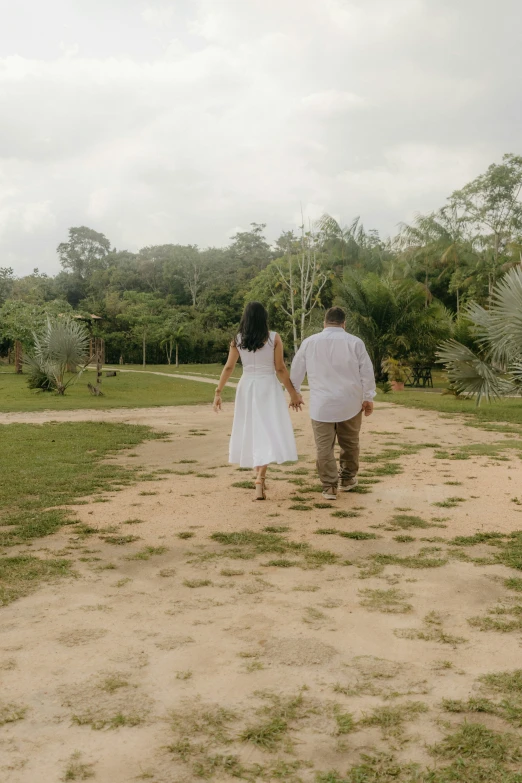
(276, 719)
(404, 539)
(392, 601)
(412, 561)
(194, 583)
(408, 521)
(77, 769)
(127, 390)
(475, 741)
(504, 619)
(358, 535)
(185, 534)
(432, 631)
(326, 531)
(147, 552)
(300, 507)
(244, 484)
(21, 575)
(11, 713)
(391, 720)
(276, 529)
(449, 502)
(345, 514)
(121, 540)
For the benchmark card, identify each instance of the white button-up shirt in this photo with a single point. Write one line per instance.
(340, 374)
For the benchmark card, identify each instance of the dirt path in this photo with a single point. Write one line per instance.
(200, 658)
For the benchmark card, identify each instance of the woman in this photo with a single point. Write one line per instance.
(262, 431)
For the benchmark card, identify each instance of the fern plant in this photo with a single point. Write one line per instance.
(494, 370)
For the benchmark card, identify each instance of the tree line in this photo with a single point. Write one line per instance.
(180, 302)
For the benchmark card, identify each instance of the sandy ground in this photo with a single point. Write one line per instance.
(129, 641)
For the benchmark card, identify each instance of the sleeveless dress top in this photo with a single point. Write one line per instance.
(262, 431)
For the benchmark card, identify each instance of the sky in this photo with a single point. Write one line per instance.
(184, 121)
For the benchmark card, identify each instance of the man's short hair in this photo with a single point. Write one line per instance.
(335, 315)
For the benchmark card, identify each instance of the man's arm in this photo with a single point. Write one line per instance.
(298, 369)
(367, 376)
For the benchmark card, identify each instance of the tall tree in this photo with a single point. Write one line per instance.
(6, 282)
(491, 205)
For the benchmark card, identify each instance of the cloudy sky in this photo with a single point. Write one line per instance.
(159, 121)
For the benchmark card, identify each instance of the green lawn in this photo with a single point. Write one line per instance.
(205, 370)
(126, 390)
(43, 467)
(509, 410)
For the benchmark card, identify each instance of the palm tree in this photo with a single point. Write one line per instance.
(391, 317)
(61, 346)
(495, 369)
(174, 335)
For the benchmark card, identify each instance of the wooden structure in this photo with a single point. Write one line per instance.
(96, 346)
(419, 376)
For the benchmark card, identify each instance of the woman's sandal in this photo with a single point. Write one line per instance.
(260, 489)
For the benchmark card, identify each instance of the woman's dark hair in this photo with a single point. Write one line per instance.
(253, 327)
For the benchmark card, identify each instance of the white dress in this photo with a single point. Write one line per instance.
(262, 431)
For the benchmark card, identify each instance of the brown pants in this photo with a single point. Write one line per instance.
(347, 433)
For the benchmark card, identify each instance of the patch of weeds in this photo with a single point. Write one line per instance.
(113, 682)
(344, 720)
(503, 619)
(20, 575)
(148, 493)
(300, 507)
(453, 483)
(120, 540)
(11, 713)
(186, 675)
(306, 588)
(197, 583)
(323, 505)
(477, 538)
(345, 514)
(185, 534)
(147, 552)
(449, 502)
(407, 521)
(276, 719)
(231, 572)
(358, 535)
(187, 462)
(474, 741)
(404, 539)
(282, 563)
(123, 582)
(391, 720)
(133, 521)
(313, 615)
(392, 601)
(326, 531)
(318, 557)
(432, 631)
(205, 475)
(207, 721)
(413, 561)
(244, 484)
(513, 583)
(276, 529)
(77, 769)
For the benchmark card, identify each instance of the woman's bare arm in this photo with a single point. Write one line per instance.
(282, 373)
(228, 369)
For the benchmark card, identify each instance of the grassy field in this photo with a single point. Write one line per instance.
(509, 410)
(205, 370)
(126, 390)
(45, 467)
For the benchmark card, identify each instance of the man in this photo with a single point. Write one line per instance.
(342, 387)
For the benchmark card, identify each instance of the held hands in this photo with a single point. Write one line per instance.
(296, 401)
(367, 407)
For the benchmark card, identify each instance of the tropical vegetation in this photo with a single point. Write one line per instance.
(436, 281)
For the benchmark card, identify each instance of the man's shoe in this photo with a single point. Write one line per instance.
(330, 493)
(348, 484)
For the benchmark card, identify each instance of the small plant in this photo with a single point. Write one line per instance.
(78, 770)
(197, 583)
(185, 534)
